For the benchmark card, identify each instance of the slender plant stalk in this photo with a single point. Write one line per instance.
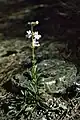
(33, 56)
(35, 37)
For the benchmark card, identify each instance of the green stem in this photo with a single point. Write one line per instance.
(33, 57)
(33, 54)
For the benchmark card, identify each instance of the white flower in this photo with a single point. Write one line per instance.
(29, 34)
(37, 22)
(37, 36)
(36, 43)
(33, 23)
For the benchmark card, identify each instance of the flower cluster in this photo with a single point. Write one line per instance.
(34, 35)
(33, 23)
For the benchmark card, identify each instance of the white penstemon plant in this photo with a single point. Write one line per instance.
(35, 43)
